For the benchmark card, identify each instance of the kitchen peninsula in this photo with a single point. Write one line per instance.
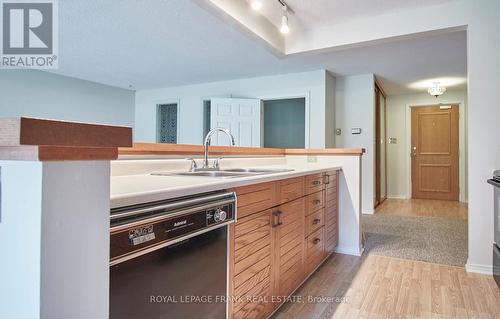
(287, 221)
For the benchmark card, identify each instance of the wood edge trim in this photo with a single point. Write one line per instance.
(24, 131)
(71, 153)
(327, 151)
(188, 149)
(58, 153)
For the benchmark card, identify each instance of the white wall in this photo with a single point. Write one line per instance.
(45, 95)
(355, 108)
(481, 21)
(190, 124)
(20, 231)
(397, 126)
(484, 132)
(54, 239)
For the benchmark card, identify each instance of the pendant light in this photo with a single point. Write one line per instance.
(436, 90)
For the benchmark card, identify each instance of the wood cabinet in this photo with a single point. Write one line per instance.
(284, 231)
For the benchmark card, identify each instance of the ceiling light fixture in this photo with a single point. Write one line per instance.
(256, 5)
(436, 90)
(284, 29)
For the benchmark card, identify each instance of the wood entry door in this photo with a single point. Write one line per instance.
(434, 152)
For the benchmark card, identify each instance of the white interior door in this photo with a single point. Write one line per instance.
(243, 117)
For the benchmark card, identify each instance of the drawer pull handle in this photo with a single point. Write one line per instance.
(316, 183)
(316, 240)
(316, 201)
(316, 221)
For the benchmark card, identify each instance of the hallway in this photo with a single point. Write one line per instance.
(424, 230)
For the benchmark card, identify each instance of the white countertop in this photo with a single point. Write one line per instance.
(129, 190)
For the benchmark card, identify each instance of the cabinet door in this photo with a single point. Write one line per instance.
(315, 249)
(251, 266)
(289, 232)
(331, 211)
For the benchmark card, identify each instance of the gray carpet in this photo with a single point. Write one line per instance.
(431, 239)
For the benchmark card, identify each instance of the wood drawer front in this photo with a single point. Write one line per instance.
(255, 198)
(315, 249)
(314, 183)
(291, 189)
(315, 221)
(314, 202)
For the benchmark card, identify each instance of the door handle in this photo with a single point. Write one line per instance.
(326, 179)
(276, 217)
(414, 151)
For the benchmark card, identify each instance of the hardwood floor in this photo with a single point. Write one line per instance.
(382, 287)
(423, 207)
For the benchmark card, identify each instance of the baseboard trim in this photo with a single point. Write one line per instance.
(368, 212)
(353, 251)
(397, 197)
(480, 269)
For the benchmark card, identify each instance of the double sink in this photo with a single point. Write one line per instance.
(226, 173)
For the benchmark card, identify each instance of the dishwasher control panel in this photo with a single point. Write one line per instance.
(168, 227)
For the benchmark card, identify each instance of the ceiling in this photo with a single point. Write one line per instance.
(311, 14)
(158, 43)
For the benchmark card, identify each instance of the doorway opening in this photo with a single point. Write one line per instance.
(285, 123)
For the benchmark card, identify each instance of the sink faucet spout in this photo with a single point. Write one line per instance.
(209, 137)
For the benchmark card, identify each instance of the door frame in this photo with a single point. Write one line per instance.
(378, 147)
(462, 157)
(284, 96)
(168, 101)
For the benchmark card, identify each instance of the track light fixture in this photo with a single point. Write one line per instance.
(284, 29)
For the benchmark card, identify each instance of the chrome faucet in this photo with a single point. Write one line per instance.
(207, 143)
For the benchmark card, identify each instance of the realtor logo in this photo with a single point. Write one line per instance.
(29, 34)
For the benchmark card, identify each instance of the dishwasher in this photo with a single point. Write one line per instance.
(169, 259)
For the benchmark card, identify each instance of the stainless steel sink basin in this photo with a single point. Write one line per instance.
(258, 170)
(219, 174)
(226, 173)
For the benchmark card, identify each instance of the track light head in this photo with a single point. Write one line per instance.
(256, 5)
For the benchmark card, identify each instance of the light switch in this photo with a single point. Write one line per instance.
(338, 131)
(393, 140)
(356, 130)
